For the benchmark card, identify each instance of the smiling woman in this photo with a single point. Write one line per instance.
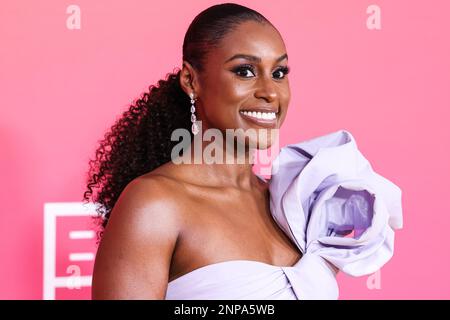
(218, 231)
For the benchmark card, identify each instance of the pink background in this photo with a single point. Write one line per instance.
(60, 90)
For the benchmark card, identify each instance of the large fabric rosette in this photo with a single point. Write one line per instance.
(341, 214)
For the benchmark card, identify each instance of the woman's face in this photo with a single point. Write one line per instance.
(244, 83)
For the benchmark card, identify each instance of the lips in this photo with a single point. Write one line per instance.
(264, 117)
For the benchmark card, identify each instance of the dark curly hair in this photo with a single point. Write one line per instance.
(139, 141)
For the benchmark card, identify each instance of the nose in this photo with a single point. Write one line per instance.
(266, 89)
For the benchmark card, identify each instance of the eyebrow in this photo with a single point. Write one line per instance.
(253, 58)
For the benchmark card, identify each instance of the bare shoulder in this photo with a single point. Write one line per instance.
(149, 199)
(154, 188)
(134, 256)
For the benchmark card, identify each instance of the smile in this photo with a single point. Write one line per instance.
(267, 119)
(260, 115)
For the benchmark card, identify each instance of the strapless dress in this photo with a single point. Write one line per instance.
(341, 214)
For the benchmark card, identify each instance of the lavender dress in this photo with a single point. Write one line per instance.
(340, 213)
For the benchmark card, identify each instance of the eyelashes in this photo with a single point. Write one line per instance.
(242, 69)
(284, 70)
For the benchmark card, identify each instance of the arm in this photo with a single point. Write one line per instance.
(134, 256)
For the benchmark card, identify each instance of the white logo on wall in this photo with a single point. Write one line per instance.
(62, 243)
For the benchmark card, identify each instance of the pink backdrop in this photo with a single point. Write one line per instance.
(60, 89)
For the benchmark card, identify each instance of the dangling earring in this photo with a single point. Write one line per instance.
(194, 127)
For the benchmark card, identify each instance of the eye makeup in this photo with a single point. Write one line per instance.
(248, 67)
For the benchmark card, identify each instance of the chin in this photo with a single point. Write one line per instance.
(268, 138)
(256, 137)
(263, 144)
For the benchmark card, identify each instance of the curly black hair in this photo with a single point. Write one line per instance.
(139, 141)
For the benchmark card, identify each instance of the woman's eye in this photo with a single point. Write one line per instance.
(283, 71)
(248, 72)
(245, 72)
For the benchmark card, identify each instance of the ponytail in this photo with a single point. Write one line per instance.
(137, 143)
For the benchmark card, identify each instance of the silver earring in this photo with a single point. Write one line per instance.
(194, 127)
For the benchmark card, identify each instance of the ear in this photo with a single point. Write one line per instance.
(189, 79)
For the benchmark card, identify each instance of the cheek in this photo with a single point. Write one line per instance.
(285, 95)
(285, 98)
(222, 98)
(230, 89)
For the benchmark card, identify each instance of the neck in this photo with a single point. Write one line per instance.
(222, 164)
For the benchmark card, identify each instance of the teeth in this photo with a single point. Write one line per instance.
(260, 115)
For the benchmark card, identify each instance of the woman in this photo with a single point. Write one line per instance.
(211, 230)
